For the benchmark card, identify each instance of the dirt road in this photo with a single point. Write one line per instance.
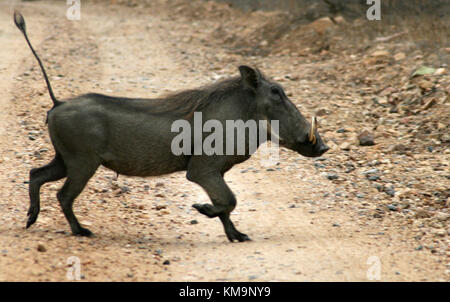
(145, 229)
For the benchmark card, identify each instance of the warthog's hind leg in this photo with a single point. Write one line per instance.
(53, 171)
(79, 171)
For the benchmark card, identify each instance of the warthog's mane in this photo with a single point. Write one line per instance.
(180, 104)
(184, 103)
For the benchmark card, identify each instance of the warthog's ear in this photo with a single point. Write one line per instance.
(250, 77)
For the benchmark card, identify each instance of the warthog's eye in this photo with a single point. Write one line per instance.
(275, 90)
(276, 93)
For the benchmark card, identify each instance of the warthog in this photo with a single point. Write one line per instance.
(133, 137)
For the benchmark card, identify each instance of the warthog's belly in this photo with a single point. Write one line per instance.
(149, 167)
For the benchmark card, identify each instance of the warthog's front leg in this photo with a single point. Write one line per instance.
(223, 202)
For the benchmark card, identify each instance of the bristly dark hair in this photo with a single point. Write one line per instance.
(186, 102)
(181, 104)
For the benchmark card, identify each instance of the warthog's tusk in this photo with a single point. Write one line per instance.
(312, 136)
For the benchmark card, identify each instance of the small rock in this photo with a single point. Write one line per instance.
(392, 207)
(164, 212)
(420, 213)
(366, 138)
(193, 222)
(332, 176)
(322, 112)
(160, 207)
(380, 53)
(401, 149)
(378, 213)
(166, 262)
(445, 137)
(426, 85)
(373, 177)
(440, 71)
(349, 169)
(399, 56)
(389, 191)
(394, 109)
(124, 189)
(345, 146)
(41, 248)
(441, 126)
(441, 216)
(321, 25)
(439, 232)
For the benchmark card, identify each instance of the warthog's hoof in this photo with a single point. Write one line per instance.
(237, 236)
(32, 216)
(83, 232)
(31, 220)
(213, 211)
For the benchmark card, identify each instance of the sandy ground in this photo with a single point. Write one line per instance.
(145, 229)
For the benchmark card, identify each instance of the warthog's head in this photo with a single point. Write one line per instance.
(295, 132)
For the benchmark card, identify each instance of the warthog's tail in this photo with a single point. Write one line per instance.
(20, 23)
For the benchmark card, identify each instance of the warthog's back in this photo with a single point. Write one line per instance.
(122, 132)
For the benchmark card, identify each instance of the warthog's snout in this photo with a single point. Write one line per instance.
(313, 145)
(322, 149)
